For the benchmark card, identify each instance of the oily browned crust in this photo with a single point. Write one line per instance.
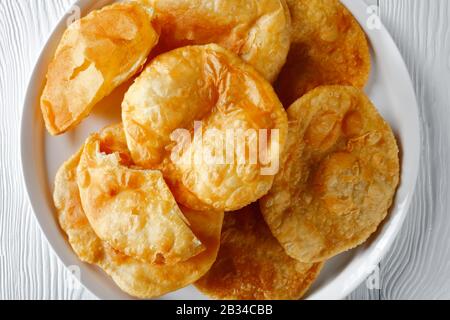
(135, 277)
(251, 264)
(72, 219)
(328, 48)
(95, 55)
(256, 30)
(132, 209)
(212, 85)
(339, 176)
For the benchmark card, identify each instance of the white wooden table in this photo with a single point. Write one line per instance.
(418, 266)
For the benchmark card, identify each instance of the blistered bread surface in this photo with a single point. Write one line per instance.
(135, 276)
(256, 30)
(132, 209)
(328, 48)
(210, 86)
(95, 55)
(338, 178)
(252, 265)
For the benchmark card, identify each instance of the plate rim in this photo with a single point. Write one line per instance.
(355, 280)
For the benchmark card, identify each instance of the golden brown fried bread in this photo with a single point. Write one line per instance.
(145, 280)
(210, 86)
(338, 177)
(68, 203)
(87, 246)
(72, 219)
(328, 48)
(252, 265)
(133, 210)
(138, 278)
(256, 30)
(95, 55)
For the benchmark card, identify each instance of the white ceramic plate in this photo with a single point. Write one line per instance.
(390, 89)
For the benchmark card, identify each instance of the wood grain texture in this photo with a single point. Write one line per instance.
(28, 267)
(418, 266)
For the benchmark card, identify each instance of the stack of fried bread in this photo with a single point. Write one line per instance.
(177, 194)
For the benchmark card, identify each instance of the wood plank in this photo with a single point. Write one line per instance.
(28, 267)
(418, 266)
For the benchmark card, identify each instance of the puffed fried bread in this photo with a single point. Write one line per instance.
(256, 30)
(132, 209)
(252, 265)
(134, 276)
(338, 178)
(328, 48)
(95, 55)
(210, 86)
